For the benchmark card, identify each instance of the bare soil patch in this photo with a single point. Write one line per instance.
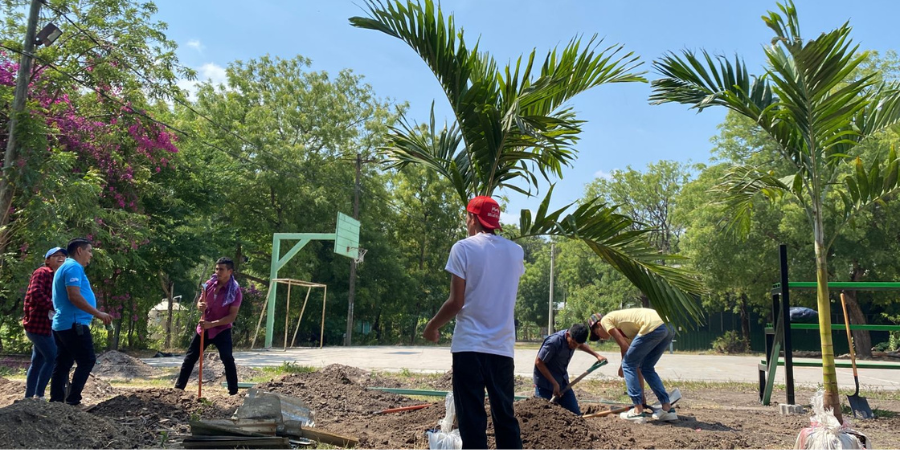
(38, 424)
(95, 390)
(154, 415)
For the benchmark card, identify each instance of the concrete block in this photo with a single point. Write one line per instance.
(788, 410)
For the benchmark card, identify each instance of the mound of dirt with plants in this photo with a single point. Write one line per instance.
(38, 424)
(119, 366)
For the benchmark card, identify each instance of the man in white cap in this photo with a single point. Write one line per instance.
(36, 321)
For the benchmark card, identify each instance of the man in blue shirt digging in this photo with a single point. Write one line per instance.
(551, 374)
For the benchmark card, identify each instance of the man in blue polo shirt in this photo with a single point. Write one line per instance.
(551, 365)
(76, 307)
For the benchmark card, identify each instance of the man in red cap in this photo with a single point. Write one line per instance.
(485, 269)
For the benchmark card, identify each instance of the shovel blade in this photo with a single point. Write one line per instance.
(860, 407)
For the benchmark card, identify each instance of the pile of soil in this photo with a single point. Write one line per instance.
(153, 414)
(95, 390)
(117, 365)
(37, 424)
(336, 394)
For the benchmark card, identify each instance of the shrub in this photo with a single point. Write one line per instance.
(729, 343)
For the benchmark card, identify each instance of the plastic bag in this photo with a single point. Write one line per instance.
(799, 314)
(447, 437)
(826, 433)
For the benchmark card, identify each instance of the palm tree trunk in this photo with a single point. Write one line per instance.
(745, 323)
(829, 376)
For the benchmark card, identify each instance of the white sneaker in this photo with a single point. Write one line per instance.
(634, 416)
(665, 416)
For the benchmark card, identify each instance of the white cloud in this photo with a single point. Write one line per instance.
(196, 45)
(604, 174)
(211, 72)
(511, 219)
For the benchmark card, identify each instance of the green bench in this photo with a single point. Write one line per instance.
(842, 364)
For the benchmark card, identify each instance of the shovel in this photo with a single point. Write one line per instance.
(594, 367)
(859, 405)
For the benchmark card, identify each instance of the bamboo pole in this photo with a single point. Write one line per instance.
(308, 290)
(322, 333)
(287, 316)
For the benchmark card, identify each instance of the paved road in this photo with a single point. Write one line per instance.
(717, 368)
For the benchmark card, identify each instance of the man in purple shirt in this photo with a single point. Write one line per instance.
(220, 301)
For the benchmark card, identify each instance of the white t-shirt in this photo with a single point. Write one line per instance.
(491, 266)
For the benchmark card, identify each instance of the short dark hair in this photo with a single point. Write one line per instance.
(226, 261)
(76, 244)
(579, 332)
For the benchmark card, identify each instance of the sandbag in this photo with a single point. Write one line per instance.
(446, 437)
(824, 431)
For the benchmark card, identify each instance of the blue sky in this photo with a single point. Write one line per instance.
(622, 129)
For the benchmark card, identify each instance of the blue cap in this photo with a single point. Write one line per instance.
(54, 251)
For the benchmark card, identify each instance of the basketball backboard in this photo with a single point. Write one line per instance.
(346, 236)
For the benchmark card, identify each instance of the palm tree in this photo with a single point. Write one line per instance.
(513, 123)
(816, 111)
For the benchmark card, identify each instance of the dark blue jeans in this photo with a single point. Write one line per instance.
(74, 345)
(567, 400)
(43, 359)
(472, 374)
(643, 354)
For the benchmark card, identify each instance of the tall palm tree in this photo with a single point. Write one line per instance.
(512, 124)
(810, 104)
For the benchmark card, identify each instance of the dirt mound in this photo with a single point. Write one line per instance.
(37, 424)
(334, 395)
(118, 365)
(153, 414)
(95, 390)
(545, 425)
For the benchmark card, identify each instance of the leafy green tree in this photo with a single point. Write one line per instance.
(513, 123)
(816, 117)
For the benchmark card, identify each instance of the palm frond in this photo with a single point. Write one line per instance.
(672, 290)
(741, 185)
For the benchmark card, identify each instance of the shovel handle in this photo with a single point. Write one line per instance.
(849, 335)
(606, 413)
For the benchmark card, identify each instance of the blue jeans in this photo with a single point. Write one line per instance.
(643, 354)
(567, 400)
(43, 358)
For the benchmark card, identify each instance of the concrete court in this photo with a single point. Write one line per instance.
(672, 367)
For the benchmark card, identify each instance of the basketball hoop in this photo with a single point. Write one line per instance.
(361, 254)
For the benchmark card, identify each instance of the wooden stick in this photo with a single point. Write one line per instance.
(606, 413)
(404, 408)
(322, 333)
(308, 289)
(287, 317)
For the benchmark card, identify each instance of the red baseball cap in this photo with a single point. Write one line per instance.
(486, 210)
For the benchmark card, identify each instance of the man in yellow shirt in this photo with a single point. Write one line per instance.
(643, 337)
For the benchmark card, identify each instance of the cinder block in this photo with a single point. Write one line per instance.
(788, 410)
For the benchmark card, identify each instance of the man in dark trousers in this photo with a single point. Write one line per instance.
(220, 301)
(551, 365)
(485, 269)
(76, 307)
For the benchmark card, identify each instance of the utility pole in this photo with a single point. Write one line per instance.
(552, 262)
(9, 158)
(351, 293)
